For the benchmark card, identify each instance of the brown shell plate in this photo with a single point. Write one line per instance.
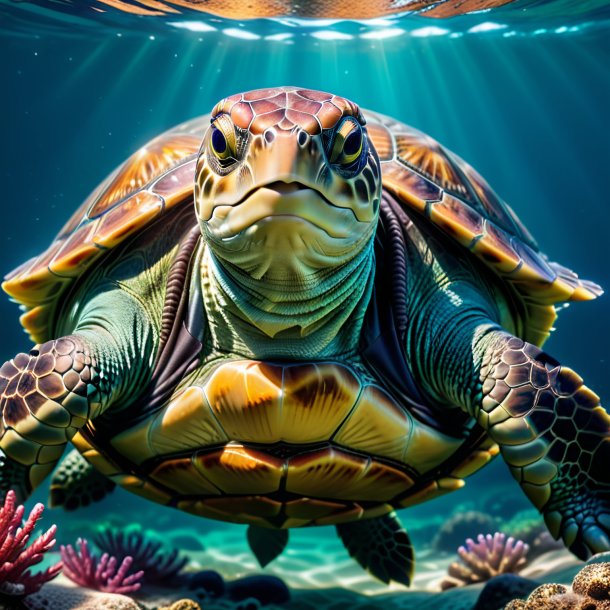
(426, 177)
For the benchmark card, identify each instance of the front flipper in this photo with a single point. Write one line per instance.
(76, 483)
(381, 546)
(266, 544)
(45, 397)
(555, 436)
(551, 429)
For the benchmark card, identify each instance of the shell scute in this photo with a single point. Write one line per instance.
(458, 219)
(75, 252)
(382, 140)
(150, 161)
(411, 187)
(495, 248)
(125, 219)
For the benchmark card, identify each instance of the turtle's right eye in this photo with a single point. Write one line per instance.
(219, 142)
(222, 138)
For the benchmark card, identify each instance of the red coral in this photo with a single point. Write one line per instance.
(103, 574)
(15, 559)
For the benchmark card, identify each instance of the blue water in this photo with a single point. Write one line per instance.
(526, 101)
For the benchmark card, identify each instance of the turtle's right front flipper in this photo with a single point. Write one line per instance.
(46, 396)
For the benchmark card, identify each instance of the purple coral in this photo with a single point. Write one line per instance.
(103, 574)
(148, 555)
(16, 580)
(486, 558)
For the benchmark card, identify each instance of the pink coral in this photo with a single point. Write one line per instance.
(486, 558)
(103, 574)
(15, 559)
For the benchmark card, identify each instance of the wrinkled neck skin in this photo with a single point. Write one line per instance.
(310, 316)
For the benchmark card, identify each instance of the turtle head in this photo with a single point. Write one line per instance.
(287, 182)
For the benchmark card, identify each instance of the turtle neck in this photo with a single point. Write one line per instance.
(316, 316)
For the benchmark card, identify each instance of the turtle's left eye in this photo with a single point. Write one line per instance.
(347, 144)
(222, 138)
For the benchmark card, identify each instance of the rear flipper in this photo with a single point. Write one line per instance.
(554, 435)
(381, 546)
(266, 543)
(76, 483)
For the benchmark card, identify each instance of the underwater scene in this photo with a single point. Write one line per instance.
(288, 354)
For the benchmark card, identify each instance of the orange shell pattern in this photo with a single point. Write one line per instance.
(321, 9)
(427, 178)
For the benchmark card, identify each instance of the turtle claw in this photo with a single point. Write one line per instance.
(596, 540)
(583, 522)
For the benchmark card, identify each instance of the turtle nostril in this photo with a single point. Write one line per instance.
(269, 136)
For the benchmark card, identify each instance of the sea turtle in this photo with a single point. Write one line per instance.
(346, 322)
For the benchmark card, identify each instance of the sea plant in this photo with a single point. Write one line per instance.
(486, 558)
(103, 574)
(16, 557)
(149, 556)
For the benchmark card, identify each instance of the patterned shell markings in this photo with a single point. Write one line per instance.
(152, 181)
(321, 9)
(437, 184)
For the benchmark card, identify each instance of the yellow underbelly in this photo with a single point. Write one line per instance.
(281, 444)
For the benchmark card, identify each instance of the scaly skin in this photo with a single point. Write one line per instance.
(317, 320)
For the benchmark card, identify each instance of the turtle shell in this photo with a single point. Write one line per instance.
(427, 178)
(157, 178)
(437, 185)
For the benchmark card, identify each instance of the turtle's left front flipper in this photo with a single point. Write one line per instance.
(381, 546)
(553, 433)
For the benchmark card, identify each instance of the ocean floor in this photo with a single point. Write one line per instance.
(320, 576)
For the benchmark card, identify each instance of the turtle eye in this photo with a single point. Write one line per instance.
(222, 138)
(219, 142)
(347, 144)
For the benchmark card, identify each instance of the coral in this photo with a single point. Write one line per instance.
(488, 557)
(62, 596)
(103, 574)
(16, 558)
(183, 604)
(461, 526)
(147, 555)
(590, 591)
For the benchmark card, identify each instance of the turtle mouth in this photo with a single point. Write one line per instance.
(287, 200)
(286, 188)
